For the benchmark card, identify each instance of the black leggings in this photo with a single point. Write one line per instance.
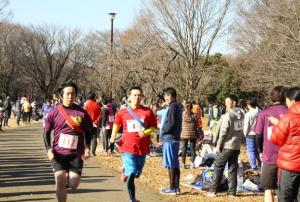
(6, 117)
(184, 143)
(174, 177)
(94, 140)
(106, 143)
(131, 187)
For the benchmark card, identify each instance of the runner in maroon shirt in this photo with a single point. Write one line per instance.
(71, 125)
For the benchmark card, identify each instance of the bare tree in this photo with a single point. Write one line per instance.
(9, 55)
(267, 38)
(148, 64)
(98, 77)
(50, 56)
(137, 60)
(4, 14)
(190, 29)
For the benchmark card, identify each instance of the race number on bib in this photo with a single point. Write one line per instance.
(134, 126)
(269, 132)
(238, 125)
(68, 141)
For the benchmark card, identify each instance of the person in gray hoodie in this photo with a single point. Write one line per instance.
(228, 144)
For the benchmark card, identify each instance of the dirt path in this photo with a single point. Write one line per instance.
(26, 174)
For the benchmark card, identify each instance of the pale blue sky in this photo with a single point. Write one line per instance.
(87, 15)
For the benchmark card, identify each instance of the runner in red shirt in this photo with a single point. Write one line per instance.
(135, 142)
(94, 111)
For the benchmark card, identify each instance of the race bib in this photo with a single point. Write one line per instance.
(134, 126)
(111, 119)
(238, 125)
(269, 132)
(68, 141)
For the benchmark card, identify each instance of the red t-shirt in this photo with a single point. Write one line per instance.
(131, 141)
(94, 111)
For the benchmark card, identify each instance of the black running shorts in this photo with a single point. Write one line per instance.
(67, 163)
(268, 177)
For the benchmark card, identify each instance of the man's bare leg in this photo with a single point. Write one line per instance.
(60, 181)
(269, 196)
(73, 180)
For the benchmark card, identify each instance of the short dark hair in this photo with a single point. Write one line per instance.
(189, 105)
(104, 101)
(242, 104)
(135, 88)
(92, 95)
(233, 98)
(293, 93)
(252, 102)
(277, 94)
(171, 91)
(109, 99)
(67, 84)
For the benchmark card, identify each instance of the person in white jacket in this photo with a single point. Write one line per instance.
(249, 122)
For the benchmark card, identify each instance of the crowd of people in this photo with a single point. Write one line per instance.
(271, 135)
(23, 110)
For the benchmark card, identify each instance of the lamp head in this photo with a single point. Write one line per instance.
(112, 15)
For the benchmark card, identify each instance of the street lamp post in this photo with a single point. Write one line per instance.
(112, 17)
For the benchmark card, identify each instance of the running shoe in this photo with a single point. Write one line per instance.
(168, 191)
(178, 191)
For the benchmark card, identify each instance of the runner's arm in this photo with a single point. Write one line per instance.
(47, 140)
(114, 133)
(88, 138)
